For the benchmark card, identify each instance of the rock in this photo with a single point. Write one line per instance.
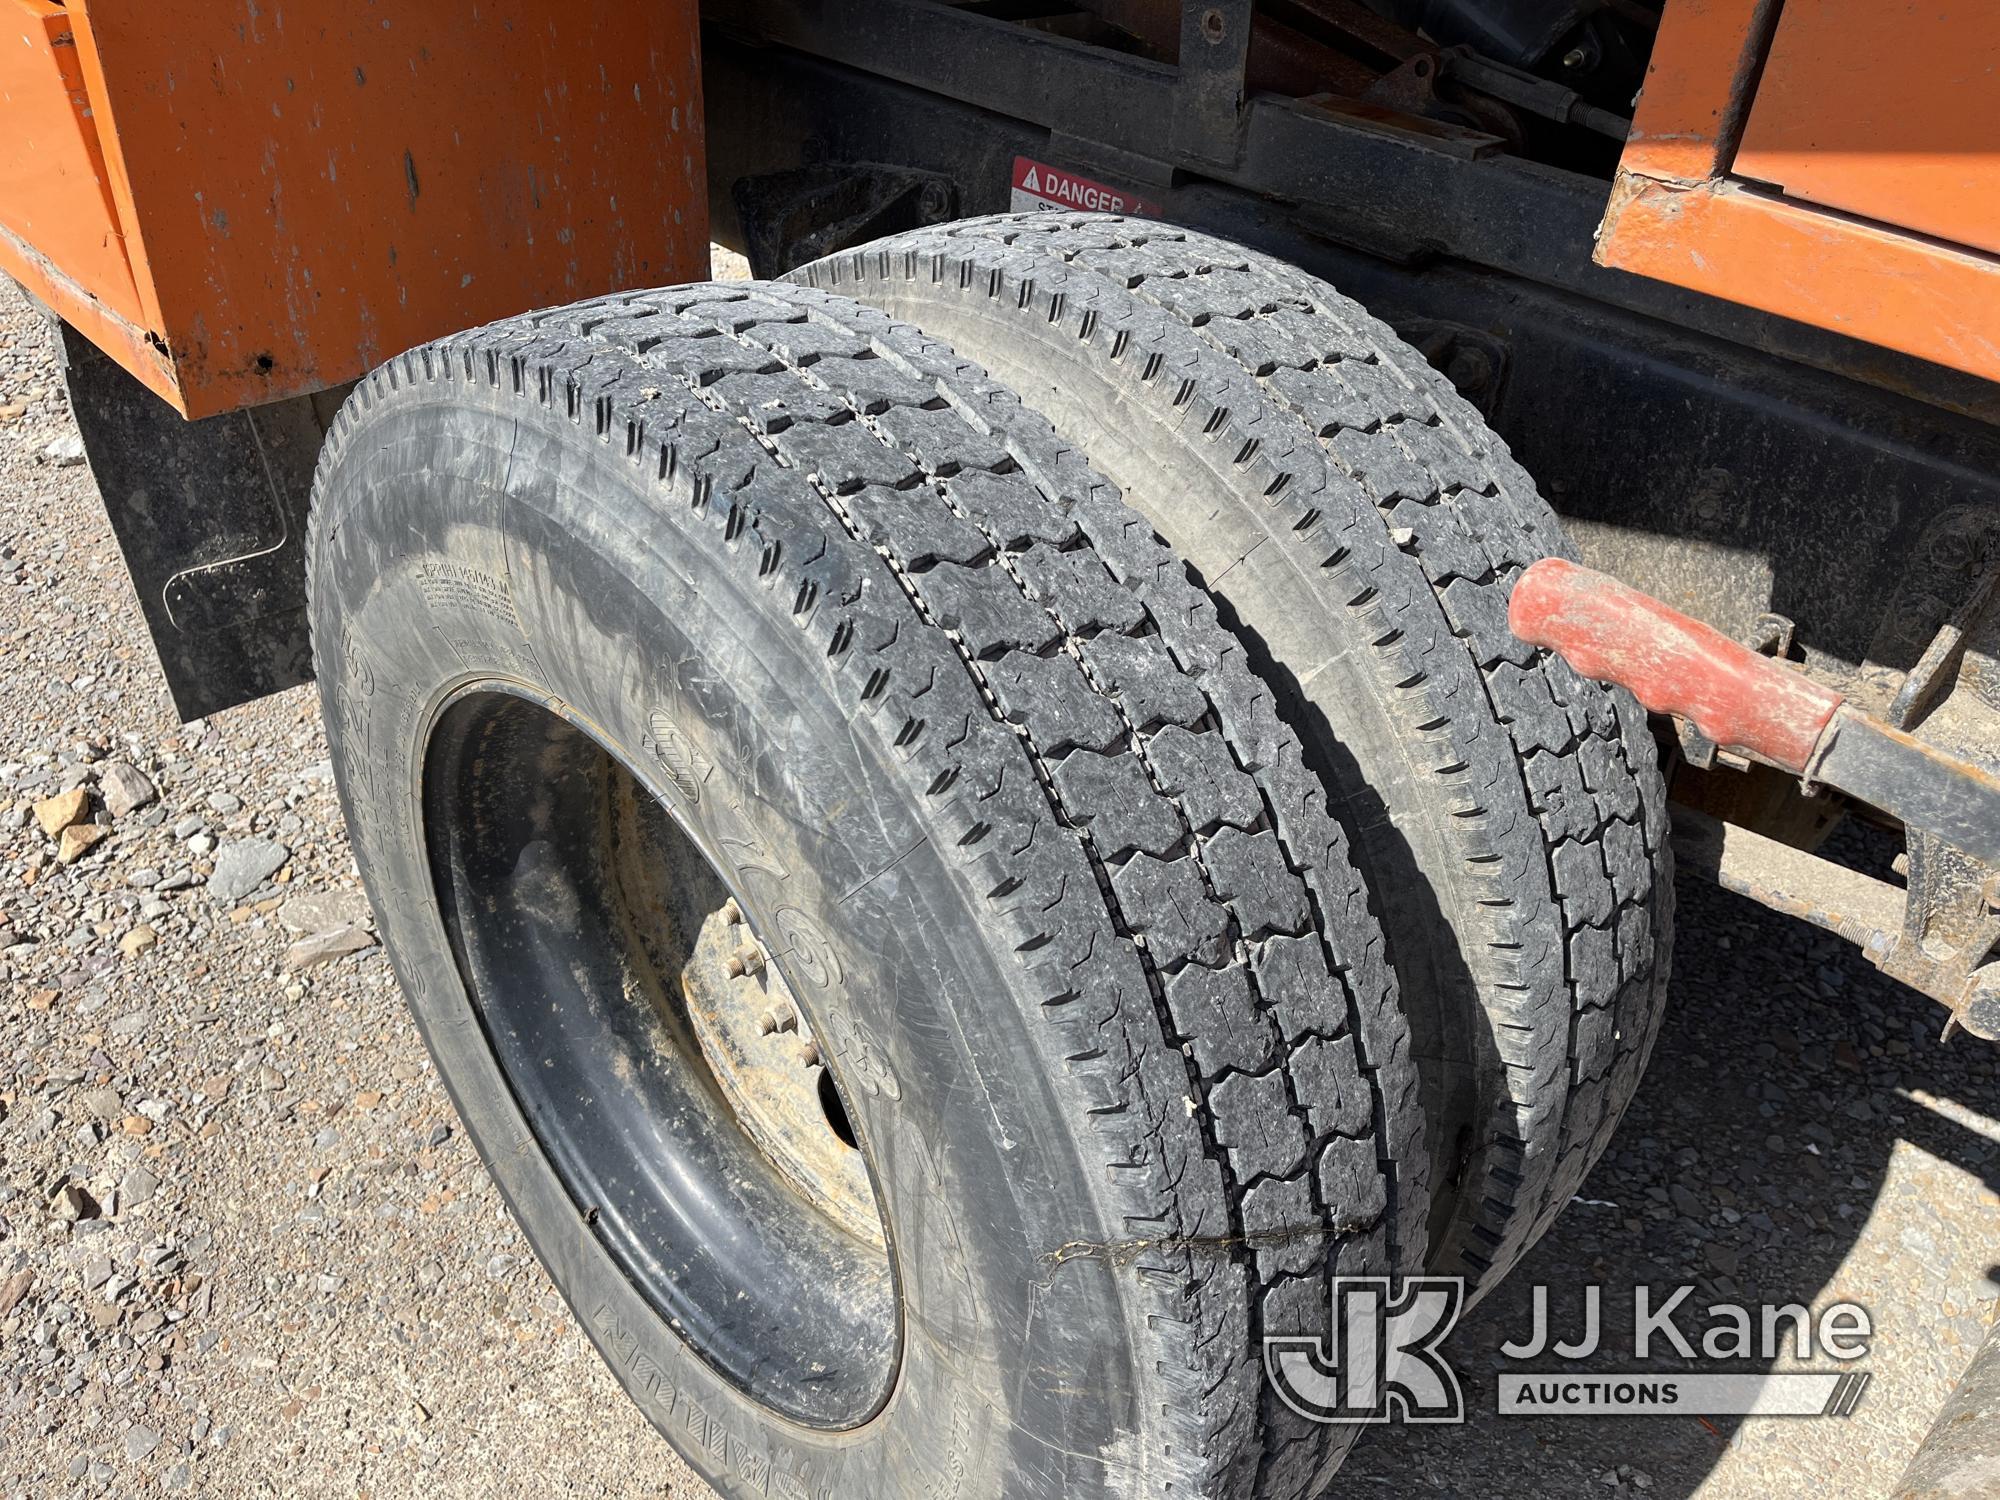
(78, 840)
(72, 1204)
(140, 1443)
(14, 1289)
(325, 947)
(242, 866)
(189, 826)
(124, 787)
(225, 803)
(104, 1103)
(326, 911)
(59, 812)
(138, 940)
(137, 1187)
(66, 452)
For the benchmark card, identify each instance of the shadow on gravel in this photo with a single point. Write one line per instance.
(1756, 1151)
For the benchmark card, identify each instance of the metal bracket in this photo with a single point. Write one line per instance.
(1208, 101)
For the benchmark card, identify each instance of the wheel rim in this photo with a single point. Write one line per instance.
(659, 1057)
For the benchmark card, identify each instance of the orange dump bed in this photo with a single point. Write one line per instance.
(1835, 162)
(242, 204)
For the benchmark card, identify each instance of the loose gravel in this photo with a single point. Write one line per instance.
(245, 1249)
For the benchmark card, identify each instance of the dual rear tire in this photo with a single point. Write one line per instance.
(1360, 528)
(741, 699)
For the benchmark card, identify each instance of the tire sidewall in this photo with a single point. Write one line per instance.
(464, 535)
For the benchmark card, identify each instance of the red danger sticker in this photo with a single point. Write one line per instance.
(1039, 185)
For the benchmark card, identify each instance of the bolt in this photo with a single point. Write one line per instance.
(778, 1018)
(1212, 27)
(1576, 58)
(934, 203)
(1951, 551)
(731, 912)
(1470, 369)
(809, 1054)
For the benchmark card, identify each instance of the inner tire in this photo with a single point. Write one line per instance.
(1361, 527)
(630, 611)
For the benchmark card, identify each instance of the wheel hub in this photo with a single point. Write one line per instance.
(772, 1072)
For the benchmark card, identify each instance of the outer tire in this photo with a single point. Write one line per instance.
(1103, 991)
(1361, 527)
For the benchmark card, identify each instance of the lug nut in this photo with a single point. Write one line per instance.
(778, 1018)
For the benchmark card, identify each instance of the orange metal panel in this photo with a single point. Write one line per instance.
(1884, 288)
(1704, 56)
(308, 189)
(1676, 216)
(1893, 114)
(55, 204)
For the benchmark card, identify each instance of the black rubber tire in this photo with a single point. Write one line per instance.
(1361, 527)
(1106, 999)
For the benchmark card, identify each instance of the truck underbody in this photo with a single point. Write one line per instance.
(1824, 500)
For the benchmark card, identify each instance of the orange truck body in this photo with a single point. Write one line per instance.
(241, 204)
(1836, 162)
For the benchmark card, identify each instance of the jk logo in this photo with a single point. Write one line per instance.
(1383, 1364)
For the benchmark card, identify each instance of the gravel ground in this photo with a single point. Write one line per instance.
(244, 1249)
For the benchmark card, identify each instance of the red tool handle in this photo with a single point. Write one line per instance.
(1672, 664)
